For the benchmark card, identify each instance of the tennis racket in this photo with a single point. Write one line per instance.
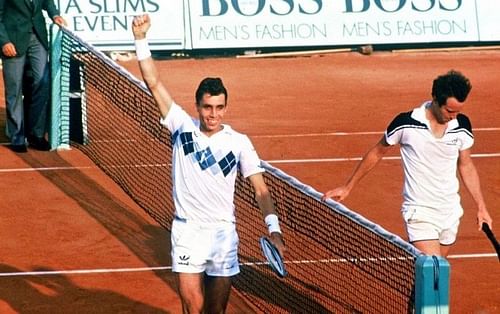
(273, 256)
(492, 238)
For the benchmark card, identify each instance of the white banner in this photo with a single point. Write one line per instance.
(213, 24)
(488, 12)
(107, 23)
(267, 23)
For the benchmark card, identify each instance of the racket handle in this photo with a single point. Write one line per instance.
(486, 229)
(491, 237)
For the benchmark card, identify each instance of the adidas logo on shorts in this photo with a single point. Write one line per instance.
(183, 260)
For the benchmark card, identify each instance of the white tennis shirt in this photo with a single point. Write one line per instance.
(429, 163)
(204, 168)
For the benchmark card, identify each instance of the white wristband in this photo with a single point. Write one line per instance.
(272, 223)
(142, 49)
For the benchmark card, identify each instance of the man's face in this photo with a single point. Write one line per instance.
(449, 111)
(211, 110)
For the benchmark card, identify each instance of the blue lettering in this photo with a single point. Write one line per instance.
(72, 4)
(97, 9)
(206, 8)
(319, 7)
(77, 25)
(459, 4)
(122, 6)
(396, 6)
(290, 8)
(260, 7)
(253, 8)
(381, 7)
(350, 9)
(431, 5)
(155, 6)
(92, 24)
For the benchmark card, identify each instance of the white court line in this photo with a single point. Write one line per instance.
(300, 135)
(317, 160)
(82, 168)
(46, 169)
(149, 269)
(350, 133)
(83, 271)
(278, 161)
(463, 256)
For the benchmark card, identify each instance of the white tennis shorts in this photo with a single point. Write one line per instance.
(205, 247)
(425, 223)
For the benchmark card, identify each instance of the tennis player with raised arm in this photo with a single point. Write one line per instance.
(435, 140)
(206, 157)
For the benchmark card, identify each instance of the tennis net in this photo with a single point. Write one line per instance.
(337, 260)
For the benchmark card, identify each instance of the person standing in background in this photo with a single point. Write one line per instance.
(25, 46)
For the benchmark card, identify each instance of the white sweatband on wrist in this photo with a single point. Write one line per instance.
(272, 223)
(142, 49)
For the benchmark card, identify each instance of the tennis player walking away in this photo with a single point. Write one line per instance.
(435, 139)
(206, 155)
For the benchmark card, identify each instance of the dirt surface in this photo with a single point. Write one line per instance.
(305, 115)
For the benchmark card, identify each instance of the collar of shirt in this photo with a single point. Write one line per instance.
(419, 115)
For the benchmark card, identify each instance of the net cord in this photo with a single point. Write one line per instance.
(338, 207)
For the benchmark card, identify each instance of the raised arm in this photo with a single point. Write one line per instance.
(140, 27)
(371, 158)
(265, 202)
(469, 175)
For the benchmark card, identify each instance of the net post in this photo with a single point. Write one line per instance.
(57, 139)
(432, 274)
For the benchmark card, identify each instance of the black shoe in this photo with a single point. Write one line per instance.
(39, 143)
(18, 148)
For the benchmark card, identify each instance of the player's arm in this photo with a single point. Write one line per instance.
(470, 177)
(266, 205)
(150, 75)
(371, 158)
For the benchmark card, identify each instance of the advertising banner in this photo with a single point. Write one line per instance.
(107, 23)
(265, 23)
(215, 24)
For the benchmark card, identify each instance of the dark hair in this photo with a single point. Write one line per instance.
(212, 86)
(451, 84)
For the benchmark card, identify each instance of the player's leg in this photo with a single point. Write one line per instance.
(190, 289)
(221, 268)
(432, 247)
(448, 236)
(424, 227)
(189, 256)
(217, 290)
(445, 250)
(429, 247)
(430, 231)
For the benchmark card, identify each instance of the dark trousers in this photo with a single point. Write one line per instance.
(14, 73)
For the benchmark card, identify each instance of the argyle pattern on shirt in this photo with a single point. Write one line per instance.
(204, 157)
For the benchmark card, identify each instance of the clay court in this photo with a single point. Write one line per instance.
(73, 242)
